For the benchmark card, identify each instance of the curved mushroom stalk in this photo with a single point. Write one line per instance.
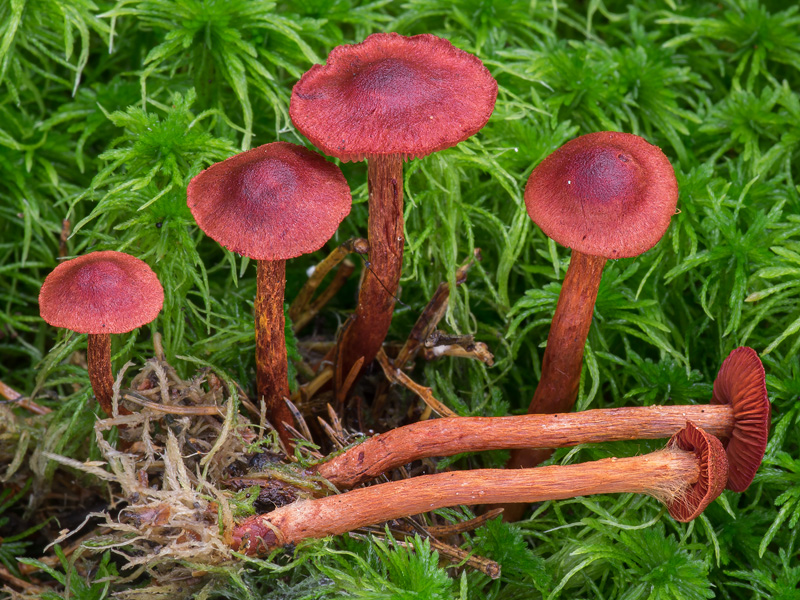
(687, 476)
(739, 413)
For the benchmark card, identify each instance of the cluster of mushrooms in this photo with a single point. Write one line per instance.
(605, 195)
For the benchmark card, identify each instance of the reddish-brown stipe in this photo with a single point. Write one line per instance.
(739, 414)
(99, 294)
(687, 475)
(388, 99)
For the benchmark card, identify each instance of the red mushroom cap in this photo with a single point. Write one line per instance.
(713, 472)
(393, 94)
(101, 292)
(605, 194)
(742, 384)
(273, 202)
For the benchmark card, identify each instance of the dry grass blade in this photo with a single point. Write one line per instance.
(395, 375)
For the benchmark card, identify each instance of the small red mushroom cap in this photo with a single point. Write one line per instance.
(393, 94)
(101, 292)
(713, 472)
(605, 194)
(274, 202)
(741, 384)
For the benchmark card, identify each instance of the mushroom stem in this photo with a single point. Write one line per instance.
(272, 370)
(367, 328)
(98, 357)
(450, 436)
(563, 357)
(666, 474)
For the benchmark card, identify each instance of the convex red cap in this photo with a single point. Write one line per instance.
(741, 384)
(393, 94)
(101, 292)
(713, 472)
(605, 194)
(274, 202)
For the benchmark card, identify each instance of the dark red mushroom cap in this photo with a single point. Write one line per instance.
(741, 384)
(273, 202)
(713, 472)
(605, 194)
(393, 94)
(101, 292)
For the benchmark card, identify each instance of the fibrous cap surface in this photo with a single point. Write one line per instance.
(273, 202)
(741, 383)
(393, 94)
(101, 292)
(713, 472)
(607, 194)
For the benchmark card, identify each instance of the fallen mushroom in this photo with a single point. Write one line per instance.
(99, 294)
(271, 203)
(686, 476)
(388, 99)
(739, 413)
(606, 195)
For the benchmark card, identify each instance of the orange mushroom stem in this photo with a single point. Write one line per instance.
(739, 413)
(686, 476)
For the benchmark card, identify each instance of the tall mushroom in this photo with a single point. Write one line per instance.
(99, 294)
(388, 99)
(606, 195)
(687, 476)
(271, 203)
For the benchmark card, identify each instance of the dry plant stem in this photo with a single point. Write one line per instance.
(272, 371)
(665, 474)
(343, 273)
(10, 393)
(368, 326)
(425, 394)
(322, 269)
(447, 437)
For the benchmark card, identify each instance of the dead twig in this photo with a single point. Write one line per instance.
(395, 375)
(13, 395)
(300, 303)
(343, 273)
(464, 526)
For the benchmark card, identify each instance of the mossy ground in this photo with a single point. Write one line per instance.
(108, 109)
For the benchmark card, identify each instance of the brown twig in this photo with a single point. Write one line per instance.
(464, 526)
(13, 395)
(343, 273)
(324, 267)
(395, 375)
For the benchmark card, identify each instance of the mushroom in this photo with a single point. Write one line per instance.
(271, 203)
(388, 99)
(687, 476)
(739, 413)
(99, 294)
(606, 195)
